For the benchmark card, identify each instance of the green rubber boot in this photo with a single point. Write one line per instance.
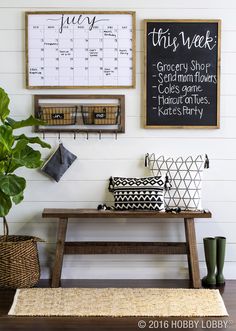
(220, 259)
(210, 257)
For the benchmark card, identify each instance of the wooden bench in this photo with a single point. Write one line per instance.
(189, 247)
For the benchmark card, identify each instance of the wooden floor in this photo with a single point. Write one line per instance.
(125, 323)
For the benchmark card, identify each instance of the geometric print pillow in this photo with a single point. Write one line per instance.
(138, 193)
(185, 177)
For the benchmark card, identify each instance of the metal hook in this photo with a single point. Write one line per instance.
(116, 135)
(74, 135)
(43, 135)
(87, 135)
(100, 135)
(59, 137)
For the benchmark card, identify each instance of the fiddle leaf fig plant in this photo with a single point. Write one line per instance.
(15, 151)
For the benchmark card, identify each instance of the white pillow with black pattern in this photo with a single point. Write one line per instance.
(185, 177)
(146, 193)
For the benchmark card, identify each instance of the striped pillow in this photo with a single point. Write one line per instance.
(138, 193)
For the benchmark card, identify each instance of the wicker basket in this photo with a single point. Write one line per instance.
(55, 115)
(100, 114)
(19, 262)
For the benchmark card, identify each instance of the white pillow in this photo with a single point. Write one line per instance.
(185, 177)
(138, 193)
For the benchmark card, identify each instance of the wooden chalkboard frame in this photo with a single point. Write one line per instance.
(133, 16)
(218, 21)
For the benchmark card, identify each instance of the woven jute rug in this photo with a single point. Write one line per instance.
(117, 302)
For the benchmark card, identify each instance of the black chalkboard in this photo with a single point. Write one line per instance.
(182, 71)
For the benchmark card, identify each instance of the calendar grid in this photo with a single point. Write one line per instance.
(80, 55)
(42, 77)
(118, 47)
(102, 54)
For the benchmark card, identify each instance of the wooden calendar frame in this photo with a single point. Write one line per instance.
(133, 17)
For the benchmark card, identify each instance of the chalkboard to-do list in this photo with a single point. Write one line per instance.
(182, 73)
(80, 49)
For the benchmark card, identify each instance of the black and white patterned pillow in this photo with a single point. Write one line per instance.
(138, 193)
(185, 177)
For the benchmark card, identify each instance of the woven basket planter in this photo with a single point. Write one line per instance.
(19, 262)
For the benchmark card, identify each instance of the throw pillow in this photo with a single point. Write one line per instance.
(138, 193)
(185, 177)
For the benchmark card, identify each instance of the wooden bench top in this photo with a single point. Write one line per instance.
(94, 213)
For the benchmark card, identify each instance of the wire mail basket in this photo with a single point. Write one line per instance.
(52, 115)
(100, 114)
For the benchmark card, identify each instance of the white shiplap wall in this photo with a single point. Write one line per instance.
(85, 184)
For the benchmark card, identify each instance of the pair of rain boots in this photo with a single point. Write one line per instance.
(214, 249)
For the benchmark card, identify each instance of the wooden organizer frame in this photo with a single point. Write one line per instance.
(120, 127)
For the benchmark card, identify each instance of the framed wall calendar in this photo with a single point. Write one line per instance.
(80, 49)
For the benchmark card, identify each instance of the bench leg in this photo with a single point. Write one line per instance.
(61, 236)
(193, 264)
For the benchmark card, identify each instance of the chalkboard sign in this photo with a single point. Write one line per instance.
(182, 73)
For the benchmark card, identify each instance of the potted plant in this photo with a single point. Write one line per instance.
(19, 265)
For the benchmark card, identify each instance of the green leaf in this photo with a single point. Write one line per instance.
(13, 166)
(5, 204)
(31, 121)
(12, 185)
(4, 103)
(18, 198)
(6, 137)
(27, 157)
(24, 155)
(33, 140)
(21, 144)
(2, 167)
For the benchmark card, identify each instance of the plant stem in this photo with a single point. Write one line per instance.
(9, 164)
(5, 227)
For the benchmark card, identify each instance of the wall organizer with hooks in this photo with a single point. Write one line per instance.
(80, 113)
